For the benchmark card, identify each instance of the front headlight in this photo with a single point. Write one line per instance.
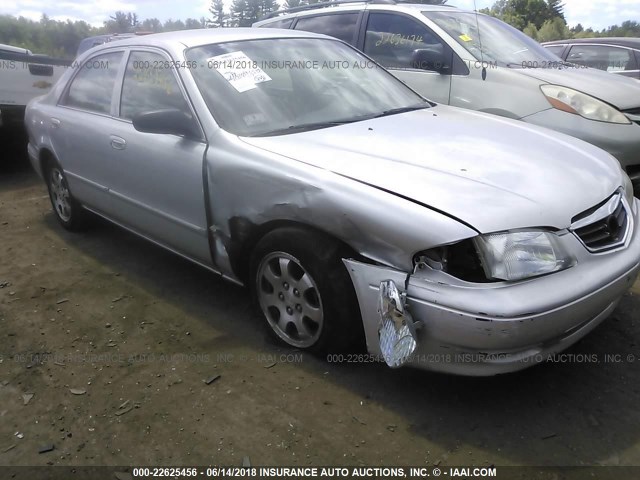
(578, 103)
(519, 255)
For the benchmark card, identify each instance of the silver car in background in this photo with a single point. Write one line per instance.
(616, 55)
(354, 210)
(461, 58)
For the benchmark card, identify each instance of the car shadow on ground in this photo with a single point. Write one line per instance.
(13, 150)
(579, 411)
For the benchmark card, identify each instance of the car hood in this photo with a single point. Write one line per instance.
(621, 92)
(492, 173)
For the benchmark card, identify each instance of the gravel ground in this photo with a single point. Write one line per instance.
(119, 353)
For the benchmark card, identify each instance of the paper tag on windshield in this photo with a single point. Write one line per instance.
(239, 70)
(465, 38)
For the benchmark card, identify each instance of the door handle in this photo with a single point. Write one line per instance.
(55, 122)
(118, 143)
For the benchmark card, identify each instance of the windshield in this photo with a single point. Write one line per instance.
(286, 85)
(500, 42)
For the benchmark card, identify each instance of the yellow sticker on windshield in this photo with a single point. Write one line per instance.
(465, 38)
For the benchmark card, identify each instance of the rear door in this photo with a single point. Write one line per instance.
(80, 129)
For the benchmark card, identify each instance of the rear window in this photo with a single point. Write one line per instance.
(555, 49)
(338, 25)
(285, 23)
(92, 88)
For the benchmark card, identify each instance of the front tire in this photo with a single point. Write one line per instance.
(304, 291)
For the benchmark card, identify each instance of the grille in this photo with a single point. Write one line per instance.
(606, 233)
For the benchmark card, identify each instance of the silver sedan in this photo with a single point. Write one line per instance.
(356, 211)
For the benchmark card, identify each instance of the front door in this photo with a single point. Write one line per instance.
(395, 41)
(158, 186)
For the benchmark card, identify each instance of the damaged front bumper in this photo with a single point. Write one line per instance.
(487, 329)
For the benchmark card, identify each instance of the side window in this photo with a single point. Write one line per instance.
(92, 87)
(285, 23)
(150, 84)
(610, 59)
(337, 25)
(393, 40)
(555, 49)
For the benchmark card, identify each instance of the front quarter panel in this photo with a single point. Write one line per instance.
(251, 189)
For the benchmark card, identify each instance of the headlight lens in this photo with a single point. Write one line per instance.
(578, 103)
(519, 255)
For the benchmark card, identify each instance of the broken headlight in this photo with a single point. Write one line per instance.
(518, 255)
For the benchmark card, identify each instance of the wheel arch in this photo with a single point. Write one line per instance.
(248, 237)
(46, 158)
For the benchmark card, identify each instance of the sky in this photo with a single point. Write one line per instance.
(589, 13)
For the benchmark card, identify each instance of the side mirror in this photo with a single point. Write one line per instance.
(171, 121)
(432, 60)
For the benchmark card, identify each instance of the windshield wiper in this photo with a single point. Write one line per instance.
(411, 108)
(304, 127)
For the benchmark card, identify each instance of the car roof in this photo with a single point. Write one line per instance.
(179, 40)
(630, 42)
(356, 5)
(12, 49)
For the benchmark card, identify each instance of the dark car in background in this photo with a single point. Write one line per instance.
(91, 42)
(615, 55)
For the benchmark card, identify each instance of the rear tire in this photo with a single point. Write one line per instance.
(304, 291)
(70, 214)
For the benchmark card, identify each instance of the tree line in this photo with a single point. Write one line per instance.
(543, 20)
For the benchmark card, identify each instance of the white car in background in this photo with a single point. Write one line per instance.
(24, 76)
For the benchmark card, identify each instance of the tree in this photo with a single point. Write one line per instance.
(121, 22)
(629, 28)
(239, 13)
(521, 13)
(531, 30)
(217, 10)
(245, 12)
(192, 24)
(555, 29)
(556, 8)
(577, 29)
(173, 25)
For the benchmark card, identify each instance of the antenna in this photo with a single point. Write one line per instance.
(484, 68)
